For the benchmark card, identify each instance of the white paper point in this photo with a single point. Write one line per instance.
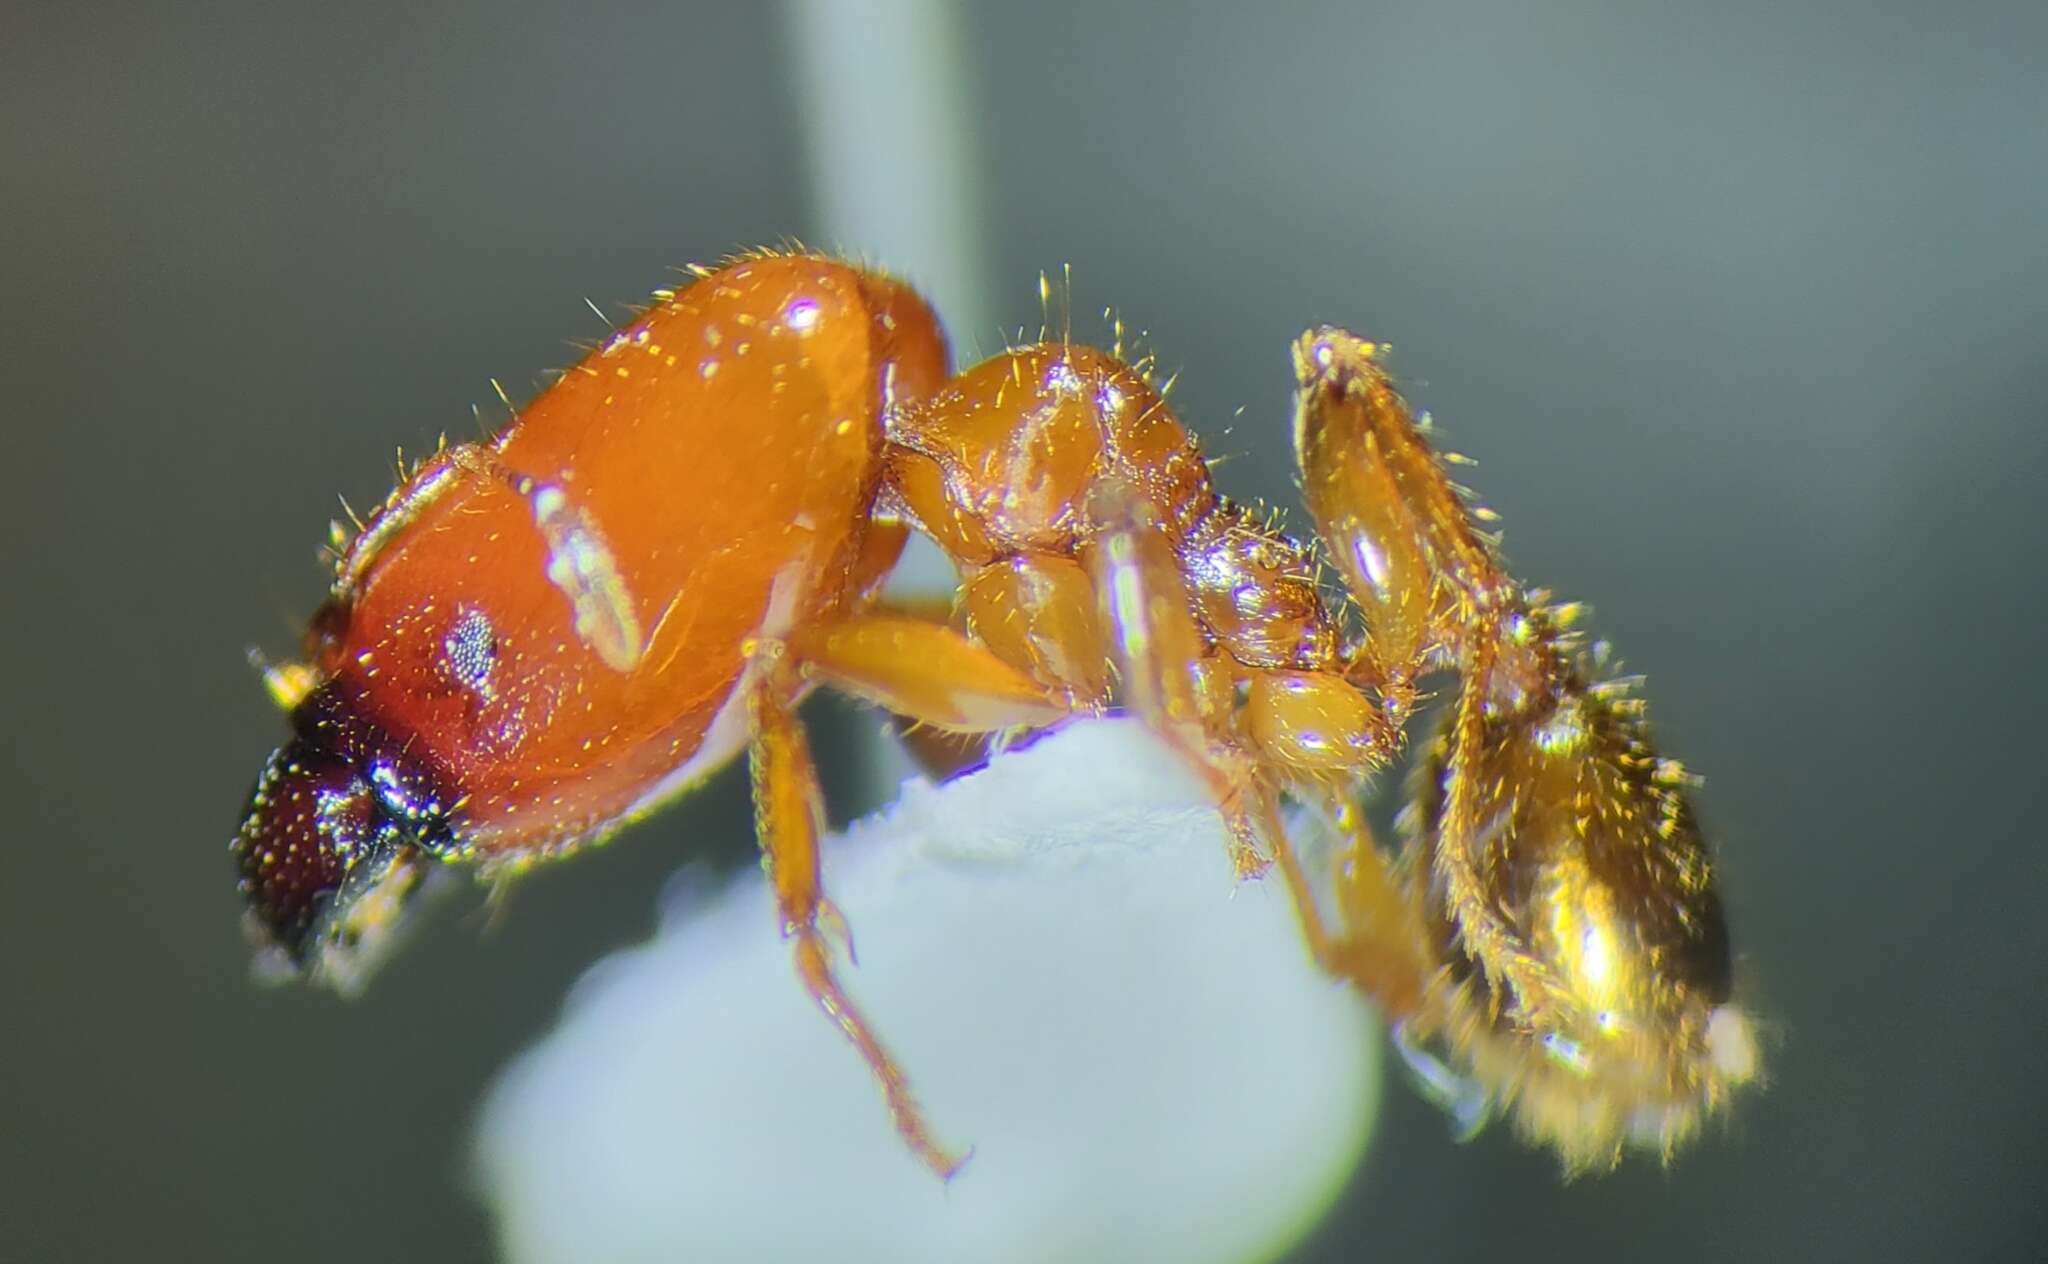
(1136, 1046)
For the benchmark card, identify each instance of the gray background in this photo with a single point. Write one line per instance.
(1740, 310)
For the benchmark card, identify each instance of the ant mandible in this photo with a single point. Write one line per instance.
(542, 637)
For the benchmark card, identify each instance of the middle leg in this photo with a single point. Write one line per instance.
(1173, 678)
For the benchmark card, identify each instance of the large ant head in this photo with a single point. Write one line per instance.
(326, 866)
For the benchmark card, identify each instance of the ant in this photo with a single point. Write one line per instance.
(539, 638)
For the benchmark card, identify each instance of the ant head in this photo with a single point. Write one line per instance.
(326, 868)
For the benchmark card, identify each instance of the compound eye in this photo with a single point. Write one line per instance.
(326, 870)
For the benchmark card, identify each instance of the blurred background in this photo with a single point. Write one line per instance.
(1740, 309)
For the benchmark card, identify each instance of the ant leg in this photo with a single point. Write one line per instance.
(1380, 944)
(939, 753)
(1316, 725)
(789, 817)
(1323, 731)
(1385, 947)
(1035, 612)
(1038, 612)
(926, 671)
(880, 547)
(1464, 1098)
(1184, 695)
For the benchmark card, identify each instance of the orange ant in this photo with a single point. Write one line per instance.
(542, 637)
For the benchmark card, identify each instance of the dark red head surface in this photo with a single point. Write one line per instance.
(337, 836)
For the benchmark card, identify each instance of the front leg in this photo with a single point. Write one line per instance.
(789, 818)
